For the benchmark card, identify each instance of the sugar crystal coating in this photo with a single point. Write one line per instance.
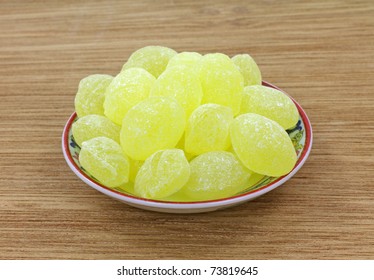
(189, 59)
(92, 126)
(154, 59)
(162, 174)
(270, 103)
(154, 124)
(183, 84)
(249, 69)
(262, 145)
(91, 94)
(104, 159)
(127, 89)
(221, 80)
(215, 175)
(207, 129)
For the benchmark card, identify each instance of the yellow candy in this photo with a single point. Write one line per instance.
(249, 69)
(262, 145)
(208, 129)
(91, 93)
(189, 59)
(221, 81)
(154, 124)
(183, 84)
(270, 103)
(92, 126)
(162, 174)
(215, 175)
(126, 90)
(104, 159)
(154, 59)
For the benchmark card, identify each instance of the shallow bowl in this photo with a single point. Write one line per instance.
(301, 136)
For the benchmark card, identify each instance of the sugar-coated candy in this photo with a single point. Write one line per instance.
(162, 174)
(207, 129)
(215, 175)
(183, 84)
(92, 126)
(249, 69)
(154, 59)
(189, 59)
(262, 145)
(154, 124)
(104, 159)
(91, 93)
(270, 103)
(221, 80)
(127, 89)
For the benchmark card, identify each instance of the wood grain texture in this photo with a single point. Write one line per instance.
(320, 52)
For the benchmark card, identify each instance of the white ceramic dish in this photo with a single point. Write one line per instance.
(301, 137)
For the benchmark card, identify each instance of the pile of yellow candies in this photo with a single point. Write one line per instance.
(183, 125)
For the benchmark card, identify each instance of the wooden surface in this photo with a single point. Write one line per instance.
(320, 52)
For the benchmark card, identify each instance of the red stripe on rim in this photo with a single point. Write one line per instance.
(299, 163)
